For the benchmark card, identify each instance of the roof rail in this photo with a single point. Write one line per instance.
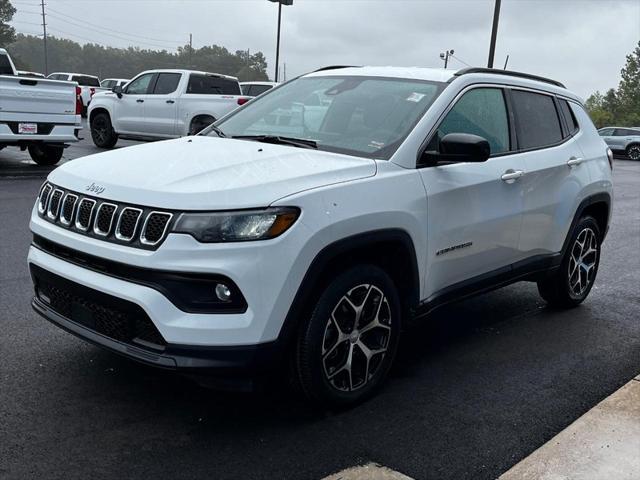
(510, 73)
(335, 67)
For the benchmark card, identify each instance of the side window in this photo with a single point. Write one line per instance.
(211, 85)
(538, 124)
(631, 133)
(606, 132)
(167, 83)
(140, 85)
(569, 117)
(260, 89)
(5, 65)
(481, 111)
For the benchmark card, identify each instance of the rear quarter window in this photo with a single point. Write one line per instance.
(537, 121)
(569, 117)
(210, 85)
(86, 81)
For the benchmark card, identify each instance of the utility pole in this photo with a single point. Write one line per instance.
(494, 33)
(445, 56)
(44, 29)
(190, 49)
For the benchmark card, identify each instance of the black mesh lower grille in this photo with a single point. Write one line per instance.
(102, 313)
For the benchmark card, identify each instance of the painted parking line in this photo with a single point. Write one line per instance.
(602, 444)
(370, 471)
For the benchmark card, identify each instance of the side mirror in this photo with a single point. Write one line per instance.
(117, 90)
(459, 147)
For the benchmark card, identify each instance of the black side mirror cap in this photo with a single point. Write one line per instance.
(117, 90)
(459, 147)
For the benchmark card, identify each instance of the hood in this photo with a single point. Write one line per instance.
(207, 173)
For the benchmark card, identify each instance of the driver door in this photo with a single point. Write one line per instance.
(130, 109)
(474, 212)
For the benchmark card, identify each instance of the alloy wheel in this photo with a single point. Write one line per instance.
(583, 262)
(634, 152)
(100, 129)
(356, 338)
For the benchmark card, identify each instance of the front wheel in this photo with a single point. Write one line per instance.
(570, 285)
(633, 152)
(45, 155)
(102, 132)
(345, 348)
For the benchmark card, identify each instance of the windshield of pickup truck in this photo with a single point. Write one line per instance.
(356, 115)
(5, 65)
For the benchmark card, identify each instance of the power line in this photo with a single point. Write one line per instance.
(461, 61)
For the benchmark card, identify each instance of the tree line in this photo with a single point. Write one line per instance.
(619, 106)
(69, 56)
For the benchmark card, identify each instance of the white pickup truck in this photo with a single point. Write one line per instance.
(89, 86)
(161, 104)
(37, 114)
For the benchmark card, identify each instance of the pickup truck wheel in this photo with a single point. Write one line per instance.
(45, 154)
(633, 152)
(200, 123)
(570, 285)
(345, 348)
(102, 131)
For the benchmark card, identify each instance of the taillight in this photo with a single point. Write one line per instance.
(79, 101)
(610, 158)
(242, 101)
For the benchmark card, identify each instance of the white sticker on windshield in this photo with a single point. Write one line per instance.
(415, 97)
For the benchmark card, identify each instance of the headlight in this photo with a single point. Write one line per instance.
(238, 226)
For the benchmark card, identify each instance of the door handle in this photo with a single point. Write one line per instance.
(171, 101)
(574, 161)
(511, 176)
(140, 100)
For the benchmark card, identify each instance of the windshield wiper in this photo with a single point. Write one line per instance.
(294, 142)
(217, 131)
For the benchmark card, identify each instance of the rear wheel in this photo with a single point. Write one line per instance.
(571, 284)
(45, 154)
(346, 347)
(102, 132)
(200, 123)
(633, 152)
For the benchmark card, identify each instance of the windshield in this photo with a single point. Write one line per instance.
(363, 116)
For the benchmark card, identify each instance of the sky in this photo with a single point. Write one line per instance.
(582, 43)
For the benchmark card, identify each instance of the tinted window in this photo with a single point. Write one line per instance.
(631, 133)
(606, 132)
(260, 89)
(5, 66)
(482, 112)
(86, 81)
(210, 85)
(167, 83)
(624, 132)
(108, 83)
(538, 122)
(569, 117)
(140, 85)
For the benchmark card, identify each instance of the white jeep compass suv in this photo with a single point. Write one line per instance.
(304, 230)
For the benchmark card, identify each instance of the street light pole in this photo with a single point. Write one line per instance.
(445, 56)
(44, 38)
(494, 33)
(278, 41)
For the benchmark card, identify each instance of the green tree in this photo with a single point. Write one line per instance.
(7, 32)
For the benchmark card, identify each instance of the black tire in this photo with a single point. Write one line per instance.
(633, 151)
(200, 123)
(320, 355)
(102, 132)
(45, 155)
(571, 283)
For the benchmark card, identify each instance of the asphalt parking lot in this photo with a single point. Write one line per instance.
(477, 388)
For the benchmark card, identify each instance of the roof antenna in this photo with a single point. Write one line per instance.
(505, 62)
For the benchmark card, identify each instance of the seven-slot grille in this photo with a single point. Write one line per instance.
(138, 227)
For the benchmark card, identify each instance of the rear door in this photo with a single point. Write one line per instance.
(557, 172)
(161, 105)
(129, 109)
(474, 216)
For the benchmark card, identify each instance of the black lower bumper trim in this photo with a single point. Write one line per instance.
(245, 360)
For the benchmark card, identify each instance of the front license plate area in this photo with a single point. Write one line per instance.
(28, 128)
(82, 315)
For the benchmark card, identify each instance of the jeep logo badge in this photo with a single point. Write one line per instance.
(97, 189)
